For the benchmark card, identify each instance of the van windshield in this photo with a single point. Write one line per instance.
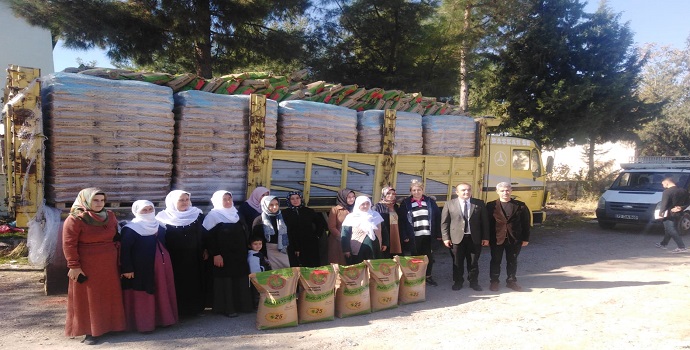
(647, 181)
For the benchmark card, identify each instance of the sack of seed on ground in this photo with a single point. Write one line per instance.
(352, 295)
(384, 282)
(316, 301)
(277, 297)
(413, 280)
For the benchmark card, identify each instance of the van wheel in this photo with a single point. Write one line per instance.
(607, 224)
(684, 224)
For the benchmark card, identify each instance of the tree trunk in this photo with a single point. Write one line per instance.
(590, 159)
(202, 47)
(464, 93)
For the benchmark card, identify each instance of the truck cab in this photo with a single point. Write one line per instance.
(634, 196)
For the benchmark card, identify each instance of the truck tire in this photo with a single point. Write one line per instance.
(607, 225)
(684, 224)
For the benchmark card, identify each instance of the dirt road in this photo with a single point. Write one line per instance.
(585, 288)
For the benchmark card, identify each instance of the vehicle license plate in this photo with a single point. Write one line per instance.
(627, 217)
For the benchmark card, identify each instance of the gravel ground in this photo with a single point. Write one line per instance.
(585, 288)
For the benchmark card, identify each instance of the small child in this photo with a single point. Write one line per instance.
(257, 262)
(256, 259)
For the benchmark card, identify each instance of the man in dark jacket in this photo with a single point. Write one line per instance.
(509, 225)
(673, 201)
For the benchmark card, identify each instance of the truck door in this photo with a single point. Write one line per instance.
(516, 161)
(526, 176)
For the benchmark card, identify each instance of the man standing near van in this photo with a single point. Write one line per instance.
(673, 201)
(509, 226)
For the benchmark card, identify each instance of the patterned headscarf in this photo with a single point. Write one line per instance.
(220, 214)
(143, 224)
(384, 193)
(268, 226)
(174, 217)
(82, 207)
(301, 200)
(342, 199)
(254, 200)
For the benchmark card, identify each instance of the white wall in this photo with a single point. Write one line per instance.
(23, 45)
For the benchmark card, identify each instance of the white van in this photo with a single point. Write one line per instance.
(635, 195)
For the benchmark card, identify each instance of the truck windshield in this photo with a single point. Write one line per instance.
(647, 181)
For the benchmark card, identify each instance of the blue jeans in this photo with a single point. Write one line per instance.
(670, 231)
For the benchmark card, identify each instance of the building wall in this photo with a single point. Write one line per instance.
(23, 45)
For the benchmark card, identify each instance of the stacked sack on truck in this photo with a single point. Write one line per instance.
(286, 88)
(212, 144)
(115, 135)
(316, 127)
(449, 135)
(408, 132)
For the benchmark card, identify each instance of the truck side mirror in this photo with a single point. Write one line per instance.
(549, 164)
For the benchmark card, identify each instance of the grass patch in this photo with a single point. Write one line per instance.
(18, 253)
(562, 213)
(19, 261)
(13, 235)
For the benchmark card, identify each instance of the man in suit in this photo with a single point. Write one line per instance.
(509, 225)
(465, 229)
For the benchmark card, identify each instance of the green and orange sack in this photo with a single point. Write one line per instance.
(413, 280)
(352, 293)
(277, 297)
(316, 301)
(384, 283)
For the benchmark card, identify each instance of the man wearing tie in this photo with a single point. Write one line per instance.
(465, 229)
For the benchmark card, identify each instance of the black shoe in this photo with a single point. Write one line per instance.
(430, 281)
(90, 340)
(457, 286)
(232, 315)
(476, 287)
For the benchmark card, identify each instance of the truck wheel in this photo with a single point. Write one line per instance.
(607, 224)
(684, 224)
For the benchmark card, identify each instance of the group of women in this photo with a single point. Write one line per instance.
(180, 261)
(359, 230)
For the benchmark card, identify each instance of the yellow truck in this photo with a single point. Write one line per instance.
(318, 174)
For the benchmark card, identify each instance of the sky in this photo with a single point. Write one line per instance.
(653, 21)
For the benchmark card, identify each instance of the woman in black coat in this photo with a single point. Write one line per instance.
(227, 247)
(305, 228)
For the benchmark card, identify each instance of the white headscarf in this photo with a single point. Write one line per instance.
(143, 224)
(367, 221)
(268, 226)
(174, 217)
(220, 214)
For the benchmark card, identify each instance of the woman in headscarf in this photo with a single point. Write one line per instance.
(361, 233)
(305, 228)
(94, 297)
(147, 274)
(227, 246)
(390, 233)
(250, 209)
(345, 203)
(272, 227)
(184, 236)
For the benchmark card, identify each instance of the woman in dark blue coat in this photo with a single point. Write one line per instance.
(147, 274)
